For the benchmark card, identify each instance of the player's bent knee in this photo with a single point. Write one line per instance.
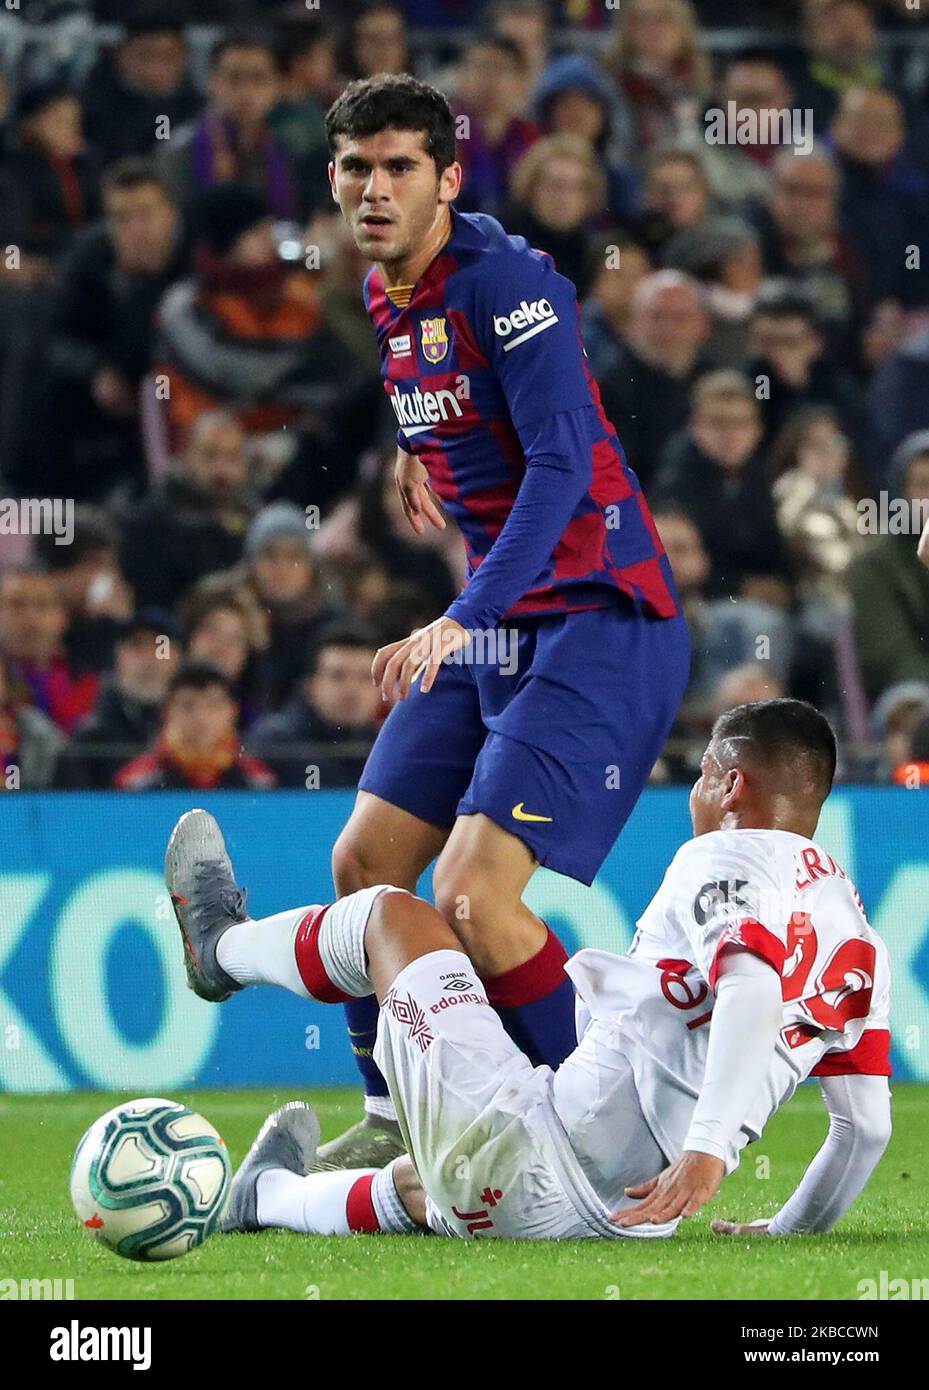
(459, 892)
(352, 869)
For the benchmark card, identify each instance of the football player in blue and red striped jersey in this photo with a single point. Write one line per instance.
(527, 718)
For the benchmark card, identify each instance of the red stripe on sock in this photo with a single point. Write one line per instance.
(359, 1206)
(310, 962)
(532, 980)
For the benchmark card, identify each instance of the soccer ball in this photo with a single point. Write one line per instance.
(150, 1178)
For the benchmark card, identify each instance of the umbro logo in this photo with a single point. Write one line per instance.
(528, 320)
(458, 983)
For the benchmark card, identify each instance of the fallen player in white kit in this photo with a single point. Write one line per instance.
(753, 967)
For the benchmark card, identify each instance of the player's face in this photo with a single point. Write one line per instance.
(389, 192)
(711, 796)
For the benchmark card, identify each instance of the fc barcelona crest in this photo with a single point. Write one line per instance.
(434, 338)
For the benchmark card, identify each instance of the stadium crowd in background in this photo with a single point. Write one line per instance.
(184, 352)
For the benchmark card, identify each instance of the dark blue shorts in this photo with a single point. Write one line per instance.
(551, 730)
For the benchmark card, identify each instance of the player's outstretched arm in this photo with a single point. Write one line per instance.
(859, 1131)
(743, 1031)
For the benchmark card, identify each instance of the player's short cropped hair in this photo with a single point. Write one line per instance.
(394, 102)
(789, 738)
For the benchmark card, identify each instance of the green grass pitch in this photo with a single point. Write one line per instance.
(888, 1229)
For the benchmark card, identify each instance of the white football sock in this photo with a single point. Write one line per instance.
(342, 940)
(392, 1216)
(381, 1106)
(316, 1203)
(261, 951)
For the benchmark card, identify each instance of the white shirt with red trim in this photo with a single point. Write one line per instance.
(784, 899)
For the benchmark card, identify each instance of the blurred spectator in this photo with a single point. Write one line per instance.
(725, 635)
(646, 391)
(885, 196)
(787, 347)
(890, 587)
(142, 81)
(896, 404)
(33, 625)
(895, 719)
(617, 266)
(308, 86)
(48, 181)
(335, 706)
(128, 710)
(101, 336)
(400, 609)
(724, 254)
(754, 83)
(286, 580)
(247, 333)
(714, 470)
(558, 194)
(376, 41)
(675, 194)
(198, 747)
(194, 520)
(91, 585)
(529, 25)
(233, 142)
(745, 684)
(30, 744)
(490, 94)
(370, 527)
(661, 70)
(913, 771)
(308, 49)
(218, 631)
(802, 240)
(434, 14)
(810, 460)
(573, 97)
(342, 281)
(840, 52)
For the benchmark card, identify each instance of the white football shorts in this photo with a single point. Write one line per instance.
(503, 1149)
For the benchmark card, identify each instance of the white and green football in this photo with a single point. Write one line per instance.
(150, 1179)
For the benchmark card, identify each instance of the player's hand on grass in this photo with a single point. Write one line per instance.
(740, 1228)
(397, 665)
(679, 1190)
(417, 499)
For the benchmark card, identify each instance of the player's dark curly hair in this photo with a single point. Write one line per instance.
(389, 102)
(788, 736)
